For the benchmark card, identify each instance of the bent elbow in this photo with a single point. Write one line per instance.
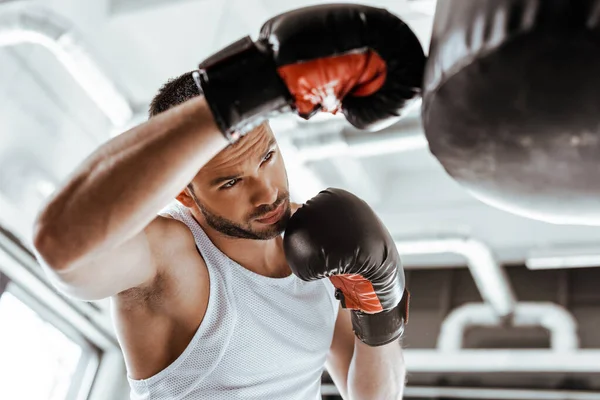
(47, 248)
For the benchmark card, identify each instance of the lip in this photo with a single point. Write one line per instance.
(273, 216)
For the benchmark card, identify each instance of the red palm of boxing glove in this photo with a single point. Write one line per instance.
(337, 235)
(321, 84)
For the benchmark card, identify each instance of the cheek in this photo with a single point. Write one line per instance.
(233, 208)
(223, 204)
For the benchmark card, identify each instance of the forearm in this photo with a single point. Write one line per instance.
(119, 189)
(376, 372)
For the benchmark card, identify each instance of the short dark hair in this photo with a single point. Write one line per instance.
(174, 92)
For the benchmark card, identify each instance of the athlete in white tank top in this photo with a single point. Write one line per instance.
(261, 337)
(231, 330)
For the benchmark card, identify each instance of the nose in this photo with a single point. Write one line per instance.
(264, 193)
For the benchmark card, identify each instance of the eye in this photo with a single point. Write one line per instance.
(268, 156)
(230, 184)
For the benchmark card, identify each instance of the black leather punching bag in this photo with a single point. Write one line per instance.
(511, 104)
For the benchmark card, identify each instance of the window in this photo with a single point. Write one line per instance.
(37, 359)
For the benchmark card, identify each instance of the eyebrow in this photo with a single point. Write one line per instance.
(222, 179)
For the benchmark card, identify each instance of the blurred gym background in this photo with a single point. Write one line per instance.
(502, 307)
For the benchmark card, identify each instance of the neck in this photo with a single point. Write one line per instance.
(263, 257)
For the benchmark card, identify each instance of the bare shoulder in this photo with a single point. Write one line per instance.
(169, 237)
(294, 207)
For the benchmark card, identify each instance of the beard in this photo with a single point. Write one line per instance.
(245, 230)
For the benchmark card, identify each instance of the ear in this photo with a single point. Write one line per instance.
(185, 198)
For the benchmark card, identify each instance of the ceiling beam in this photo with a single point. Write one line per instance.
(131, 6)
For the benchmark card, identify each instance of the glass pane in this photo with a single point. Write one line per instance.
(37, 360)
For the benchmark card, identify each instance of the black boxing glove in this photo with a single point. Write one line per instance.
(361, 60)
(337, 235)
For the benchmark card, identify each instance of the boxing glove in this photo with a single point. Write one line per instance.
(337, 235)
(362, 61)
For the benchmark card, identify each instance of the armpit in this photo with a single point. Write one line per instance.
(149, 296)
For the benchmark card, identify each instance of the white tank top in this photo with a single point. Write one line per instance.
(261, 338)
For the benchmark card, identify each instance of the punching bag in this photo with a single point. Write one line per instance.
(511, 104)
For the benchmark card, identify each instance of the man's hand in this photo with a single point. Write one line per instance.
(337, 235)
(362, 61)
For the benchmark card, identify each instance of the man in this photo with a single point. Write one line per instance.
(205, 302)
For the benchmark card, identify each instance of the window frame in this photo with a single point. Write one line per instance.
(87, 367)
(22, 277)
(4, 281)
